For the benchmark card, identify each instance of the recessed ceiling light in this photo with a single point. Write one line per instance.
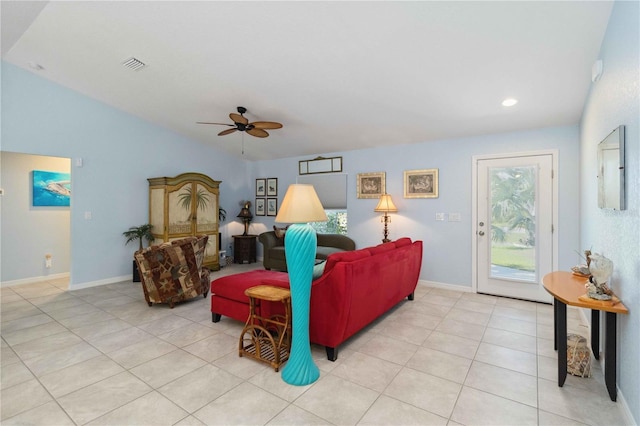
(509, 102)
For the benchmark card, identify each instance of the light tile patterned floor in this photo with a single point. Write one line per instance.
(101, 356)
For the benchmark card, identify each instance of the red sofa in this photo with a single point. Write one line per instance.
(355, 288)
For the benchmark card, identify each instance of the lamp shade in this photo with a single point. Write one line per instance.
(385, 205)
(245, 213)
(301, 205)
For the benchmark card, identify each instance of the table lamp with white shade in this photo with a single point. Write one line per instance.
(300, 206)
(386, 206)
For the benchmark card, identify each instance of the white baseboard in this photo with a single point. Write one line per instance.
(72, 287)
(629, 420)
(585, 316)
(112, 280)
(445, 286)
(34, 279)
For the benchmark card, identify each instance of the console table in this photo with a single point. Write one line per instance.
(244, 248)
(568, 289)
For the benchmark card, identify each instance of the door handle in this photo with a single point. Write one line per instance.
(481, 233)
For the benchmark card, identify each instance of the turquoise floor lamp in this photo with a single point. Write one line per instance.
(300, 206)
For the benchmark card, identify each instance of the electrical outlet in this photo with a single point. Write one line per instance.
(440, 216)
(454, 217)
(87, 215)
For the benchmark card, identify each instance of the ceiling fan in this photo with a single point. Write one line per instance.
(241, 124)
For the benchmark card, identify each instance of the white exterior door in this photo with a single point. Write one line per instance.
(515, 202)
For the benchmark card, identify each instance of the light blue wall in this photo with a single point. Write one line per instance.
(615, 100)
(119, 152)
(447, 255)
(47, 228)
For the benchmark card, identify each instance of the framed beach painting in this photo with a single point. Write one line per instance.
(51, 189)
(421, 183)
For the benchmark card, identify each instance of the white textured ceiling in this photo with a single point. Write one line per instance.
(338, 75)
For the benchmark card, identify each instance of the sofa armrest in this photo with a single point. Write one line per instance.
(336, 240)
(269, 239)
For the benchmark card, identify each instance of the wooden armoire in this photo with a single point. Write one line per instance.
(183, 206)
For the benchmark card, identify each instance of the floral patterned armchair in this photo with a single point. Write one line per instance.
(172, 272)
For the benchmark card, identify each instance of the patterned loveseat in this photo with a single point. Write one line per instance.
(172, 272)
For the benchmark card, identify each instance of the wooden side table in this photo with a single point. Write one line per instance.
(244, 248)
(568, 289)
(267, 339)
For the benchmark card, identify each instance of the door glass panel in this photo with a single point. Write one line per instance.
(513, 222)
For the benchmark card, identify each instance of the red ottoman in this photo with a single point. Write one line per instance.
(228, 298)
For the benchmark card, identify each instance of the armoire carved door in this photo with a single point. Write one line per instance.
(186, 205)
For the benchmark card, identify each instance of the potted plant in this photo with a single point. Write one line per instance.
(142, 232)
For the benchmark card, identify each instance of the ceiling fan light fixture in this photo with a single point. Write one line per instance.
(509, 102)
(241, 124)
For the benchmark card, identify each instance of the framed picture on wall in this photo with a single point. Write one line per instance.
(261, 187)
(272, 187)
(272, 206)
(260, 207)
(421, 183)
(370, 185)
(51, 189)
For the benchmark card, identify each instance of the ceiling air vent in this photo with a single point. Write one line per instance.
(134, 64)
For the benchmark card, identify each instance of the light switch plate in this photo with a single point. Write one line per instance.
(440, 216)
(454, 217)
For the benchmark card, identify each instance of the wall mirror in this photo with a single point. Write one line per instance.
(320, 165)
(611, 171)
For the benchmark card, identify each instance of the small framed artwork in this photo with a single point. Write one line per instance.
(260, 207)
(272, 187)
(261, 187)
(370, 185)
(421, 183)
(51, 189)
(272, 206)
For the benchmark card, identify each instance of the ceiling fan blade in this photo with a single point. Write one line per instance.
(219, 124)
(237, 118)
(258, 133)
(266, 125)
(226, 132)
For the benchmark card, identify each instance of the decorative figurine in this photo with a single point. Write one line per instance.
(601, 269)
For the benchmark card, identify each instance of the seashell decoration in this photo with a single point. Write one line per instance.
(601, 269)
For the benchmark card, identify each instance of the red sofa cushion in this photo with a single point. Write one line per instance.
(381, 248)
(344, 256)
(233, 286)
(401, 242)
